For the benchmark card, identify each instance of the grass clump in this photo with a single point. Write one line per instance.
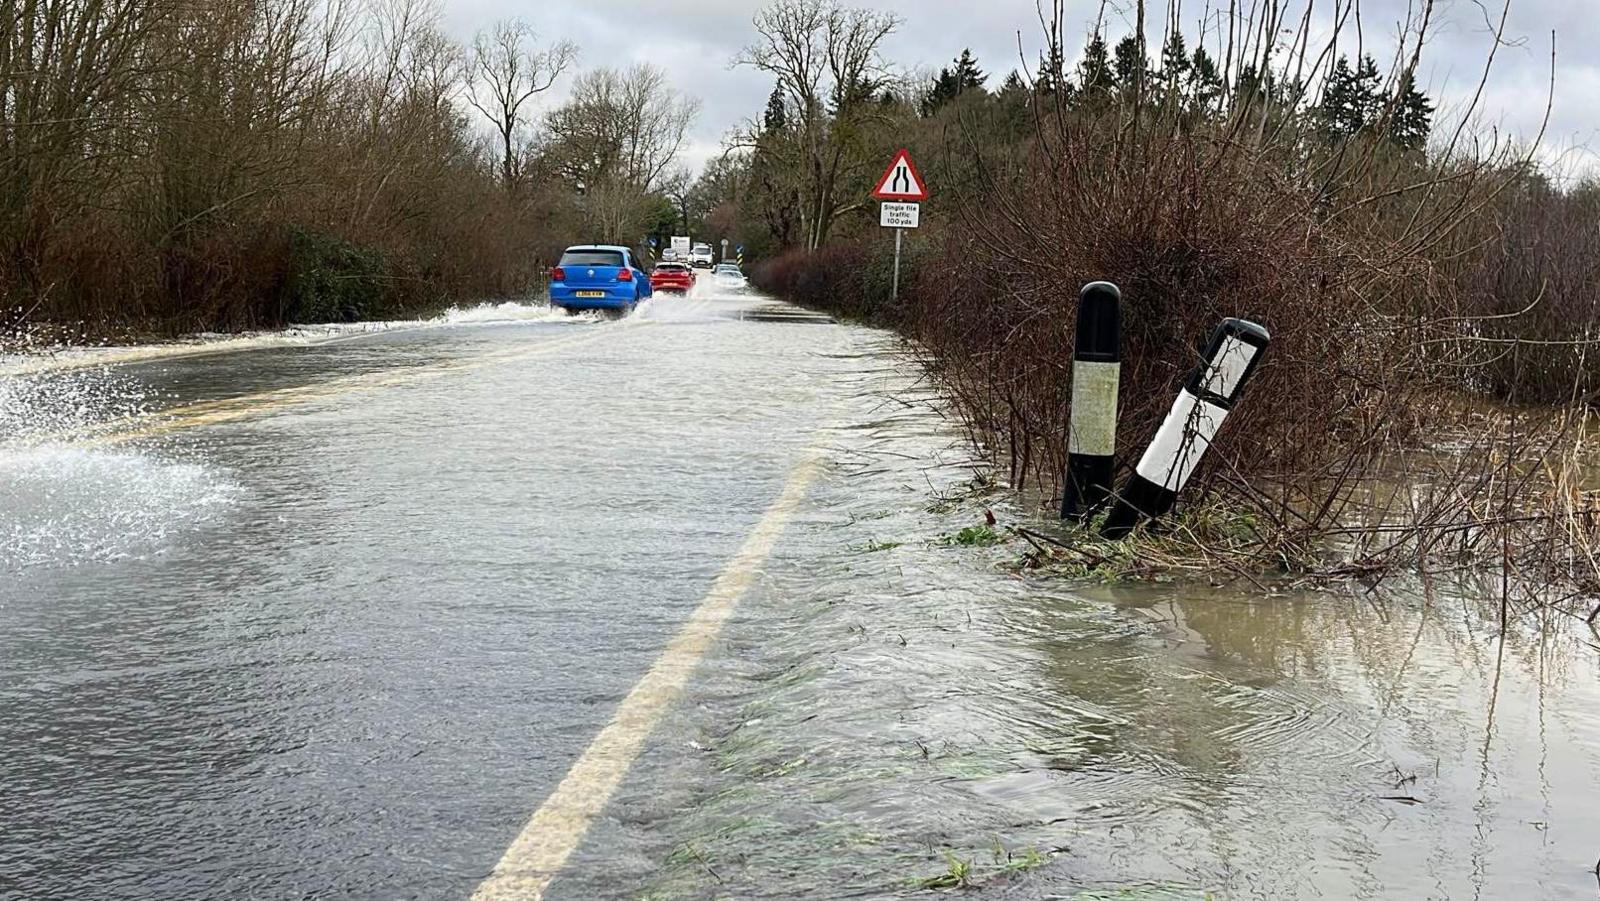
(957, 874)
(972, 536)
(961, 872)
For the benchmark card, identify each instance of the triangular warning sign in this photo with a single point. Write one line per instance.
(901, 181)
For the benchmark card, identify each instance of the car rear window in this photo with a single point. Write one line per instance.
(670, 267)
(591, 258)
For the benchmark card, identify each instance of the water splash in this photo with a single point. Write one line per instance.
(66, 506)
(506, 311)
(44, 406)
(29, 354)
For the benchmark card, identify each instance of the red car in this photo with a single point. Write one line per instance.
(672, 277)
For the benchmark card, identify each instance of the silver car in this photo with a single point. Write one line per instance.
(728, 277)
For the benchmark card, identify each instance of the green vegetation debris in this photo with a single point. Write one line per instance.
(973, 536)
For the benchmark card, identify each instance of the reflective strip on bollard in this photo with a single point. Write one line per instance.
(1231, 356)
(1096, 374)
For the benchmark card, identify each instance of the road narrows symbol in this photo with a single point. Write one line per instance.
(901, 181)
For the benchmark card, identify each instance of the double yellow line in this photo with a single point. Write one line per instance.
(234, 409)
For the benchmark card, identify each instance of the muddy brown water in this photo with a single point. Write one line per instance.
(345, 647)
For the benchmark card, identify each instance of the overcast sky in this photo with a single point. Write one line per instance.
(695, 41)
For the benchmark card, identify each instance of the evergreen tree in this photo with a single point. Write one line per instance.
(1175, 65)
(1094, 70)
(1205, 82)
(1052, 71)
(1015, 102)
(1369, 98)
(950, 83)
(1351, 101)
(1340, 110)
(943, 90)
(1413, 116)
(1250, 88)
(1131, 66)
(968, 76)
(849, 96)
(776, 116)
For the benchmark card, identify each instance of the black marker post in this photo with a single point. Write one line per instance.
(1204, 401)
(1096, 370)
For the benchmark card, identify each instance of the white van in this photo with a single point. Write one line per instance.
(700, 256)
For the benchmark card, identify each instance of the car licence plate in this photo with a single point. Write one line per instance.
(590, 293)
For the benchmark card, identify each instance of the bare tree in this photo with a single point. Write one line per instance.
(826, 59)
(618, 138)
(506, 73)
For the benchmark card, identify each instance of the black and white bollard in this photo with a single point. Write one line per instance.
(1204, 401)
(1096, 370)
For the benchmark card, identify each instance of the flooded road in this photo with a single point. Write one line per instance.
(336, 620)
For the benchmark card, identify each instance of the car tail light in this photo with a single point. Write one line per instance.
(625, 274)
(558, 274)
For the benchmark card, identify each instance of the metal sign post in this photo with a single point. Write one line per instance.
(894, 288)
(898, 216)
(901, 189)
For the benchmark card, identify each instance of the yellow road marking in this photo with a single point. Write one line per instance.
(232, 409)
(540, 851)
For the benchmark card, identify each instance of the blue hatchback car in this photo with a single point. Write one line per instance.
(598, 277)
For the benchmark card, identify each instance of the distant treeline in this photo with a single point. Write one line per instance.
(169, 166)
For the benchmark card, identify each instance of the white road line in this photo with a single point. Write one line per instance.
(542, 848)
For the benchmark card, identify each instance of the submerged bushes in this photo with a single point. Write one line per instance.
(1531, 281)
(851, 280)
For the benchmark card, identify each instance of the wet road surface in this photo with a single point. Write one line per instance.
(336, 620)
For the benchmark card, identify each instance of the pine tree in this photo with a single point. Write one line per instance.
(1250, 88)
(1369, 99)
(1205, 82)
(1052, 77)
(1174, 65)
(776, 116)
(1015, 102)
(1413, 116)
(852, 95)
(1351, 100)
(950, 83)
(1131, 66)
(942, 90)
(968, 76)
(1094, 70)
(1339, 110)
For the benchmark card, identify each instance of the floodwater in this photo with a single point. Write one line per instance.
(333, 619)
